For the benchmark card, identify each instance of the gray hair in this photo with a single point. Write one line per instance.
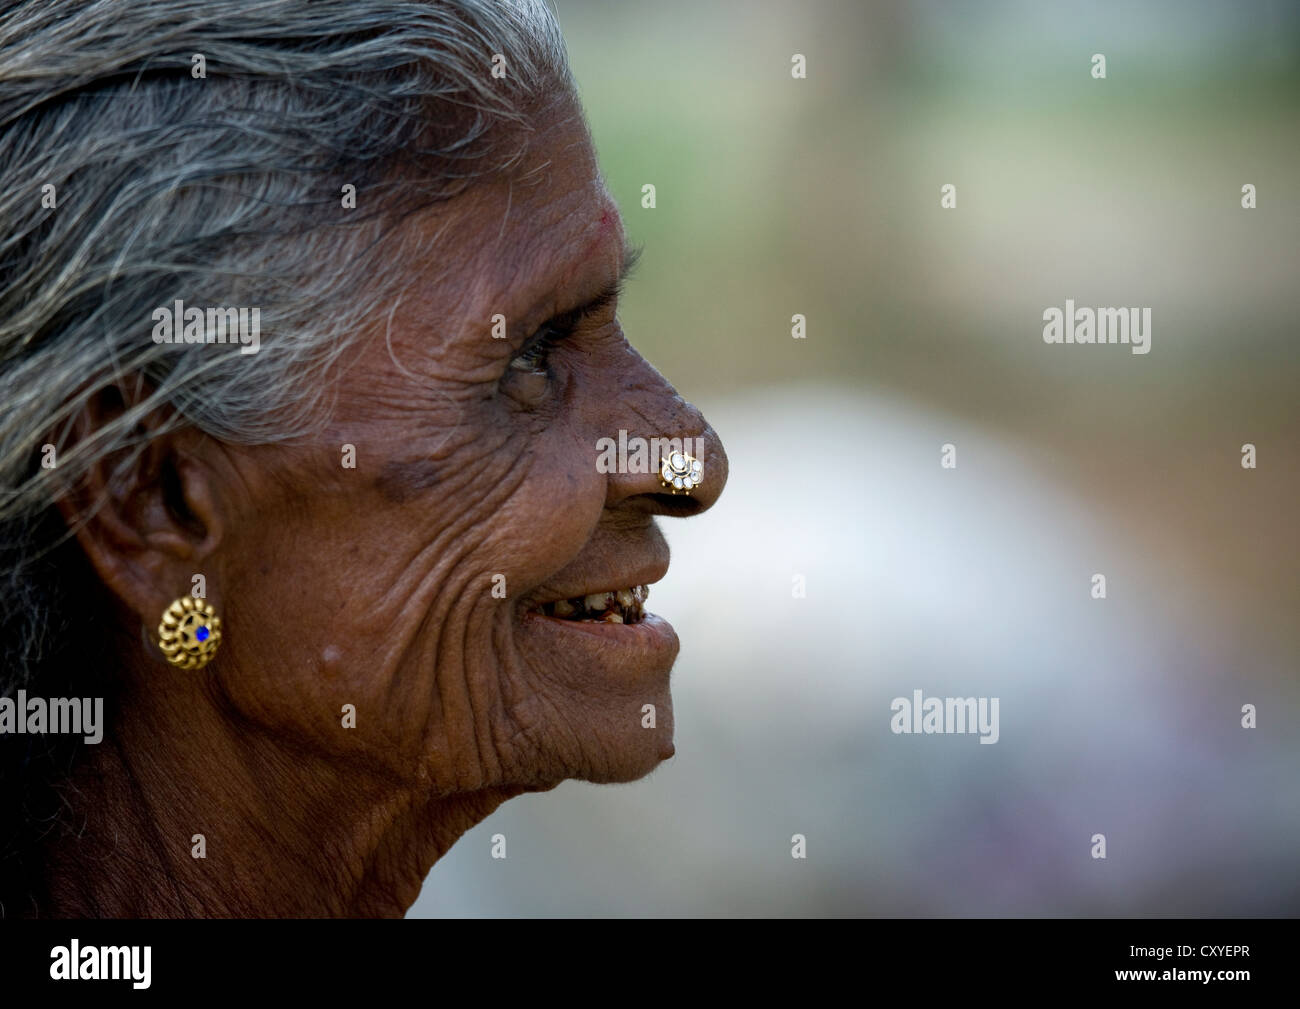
(224, 190)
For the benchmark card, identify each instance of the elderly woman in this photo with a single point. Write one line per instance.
(308, 349)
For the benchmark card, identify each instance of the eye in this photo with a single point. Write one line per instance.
(535, 357)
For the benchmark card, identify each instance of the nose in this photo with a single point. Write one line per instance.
(652, 421)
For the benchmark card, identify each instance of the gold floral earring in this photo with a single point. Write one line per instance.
(190, 633)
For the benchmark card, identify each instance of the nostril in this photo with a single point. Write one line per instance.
(676, 504)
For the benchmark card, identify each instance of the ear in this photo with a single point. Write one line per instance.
(146, 515)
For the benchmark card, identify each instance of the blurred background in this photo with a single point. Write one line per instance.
(1120, 716)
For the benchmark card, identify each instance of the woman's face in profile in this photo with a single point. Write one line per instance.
(398, 561)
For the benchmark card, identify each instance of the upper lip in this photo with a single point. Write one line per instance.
(647, 573)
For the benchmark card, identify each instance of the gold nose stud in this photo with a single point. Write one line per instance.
(681, 473)
(190, 633)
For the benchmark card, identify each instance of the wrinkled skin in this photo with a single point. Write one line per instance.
(373, 587)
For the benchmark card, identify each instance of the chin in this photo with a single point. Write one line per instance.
(632, 766)
(635, 751)
(607, 744)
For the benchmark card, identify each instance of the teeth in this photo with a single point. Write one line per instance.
(621, 606)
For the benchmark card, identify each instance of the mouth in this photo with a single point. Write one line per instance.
(591, 628)
(614, 606)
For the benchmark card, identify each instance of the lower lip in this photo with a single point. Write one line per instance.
(645, 647)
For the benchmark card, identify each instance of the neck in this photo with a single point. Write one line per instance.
(285, 833)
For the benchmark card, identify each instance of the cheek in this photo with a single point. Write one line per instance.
(552, 514)
(370, 617)
(314, 608)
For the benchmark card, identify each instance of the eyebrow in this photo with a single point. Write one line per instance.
(612, 290)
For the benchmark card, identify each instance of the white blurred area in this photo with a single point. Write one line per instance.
(1118, 716)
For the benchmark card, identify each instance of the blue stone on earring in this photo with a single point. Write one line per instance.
(190, 633)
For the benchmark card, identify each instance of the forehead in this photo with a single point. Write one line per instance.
(547, 225)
